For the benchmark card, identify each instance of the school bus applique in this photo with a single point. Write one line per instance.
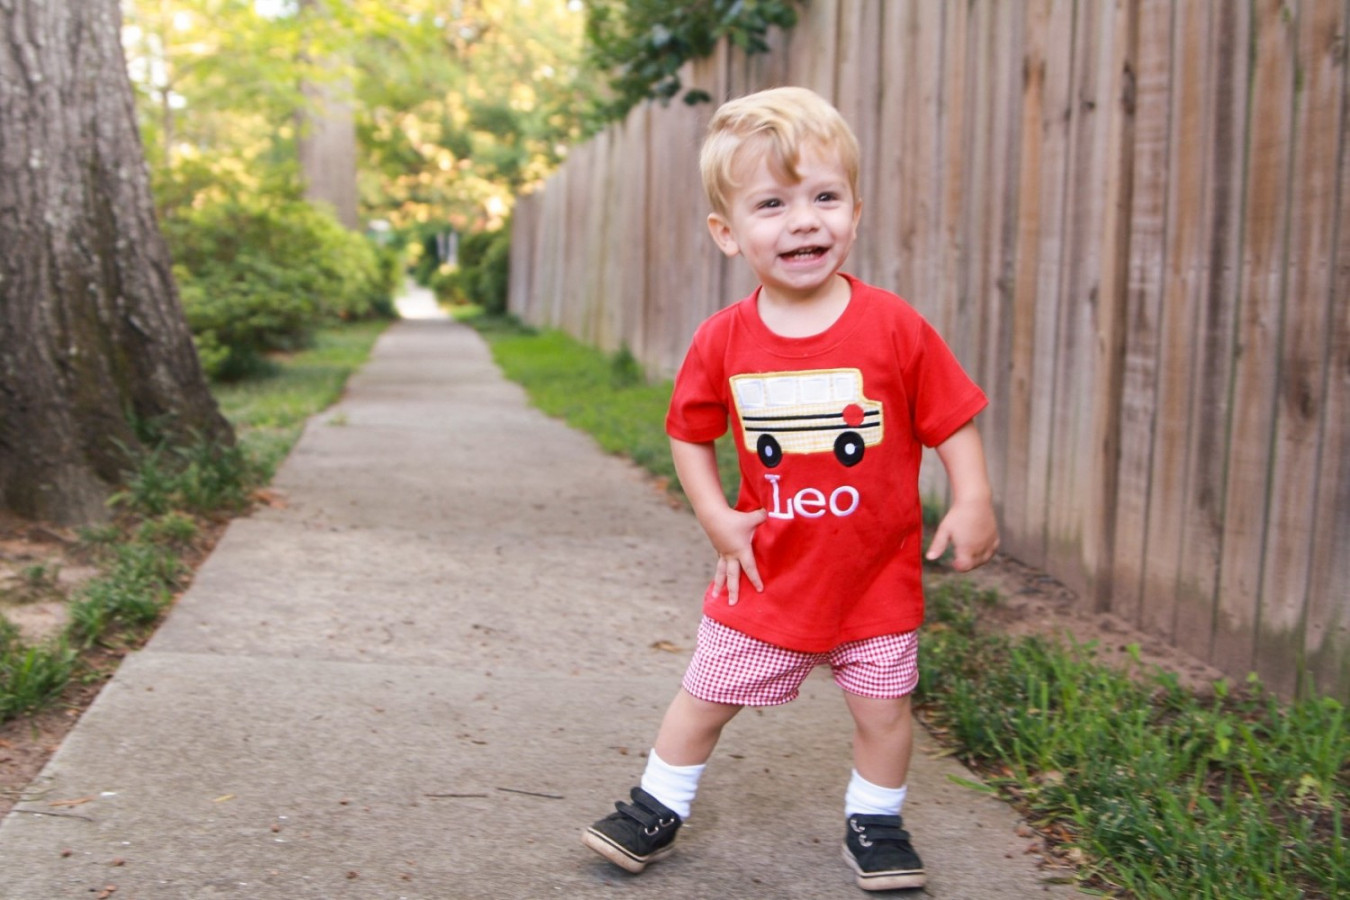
(806, 412)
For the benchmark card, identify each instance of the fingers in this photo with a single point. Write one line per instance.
(941, 540)
(733, 569)
(965, 556)
(751, 571)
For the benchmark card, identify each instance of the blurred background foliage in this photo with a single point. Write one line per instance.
(456, 107)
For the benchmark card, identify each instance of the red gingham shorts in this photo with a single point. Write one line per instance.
(732, 667)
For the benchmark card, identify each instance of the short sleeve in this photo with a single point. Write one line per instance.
(944, 397)
(698, 408)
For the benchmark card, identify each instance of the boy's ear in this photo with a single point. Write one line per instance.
(721, 235)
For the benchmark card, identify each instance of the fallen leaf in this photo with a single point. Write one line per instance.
(270, 497)
(667, 646)
(223, 797)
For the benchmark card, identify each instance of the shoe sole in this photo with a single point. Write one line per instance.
(621, 857)
(894, 880)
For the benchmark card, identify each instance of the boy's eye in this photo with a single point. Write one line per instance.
(827, 197)
(771, 203)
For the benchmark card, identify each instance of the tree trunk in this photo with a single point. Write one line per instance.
(94, 348)
(327, 150)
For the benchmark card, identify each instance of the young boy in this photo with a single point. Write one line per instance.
(832, 387)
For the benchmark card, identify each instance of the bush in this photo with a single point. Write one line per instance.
(259, 276)
(484, 266)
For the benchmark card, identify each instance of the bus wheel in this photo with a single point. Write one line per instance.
(768, 450)
(848, 448)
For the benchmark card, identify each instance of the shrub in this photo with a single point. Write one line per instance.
(259, 276)
(484, 266)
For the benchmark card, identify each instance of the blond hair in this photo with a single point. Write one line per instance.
(777, 123)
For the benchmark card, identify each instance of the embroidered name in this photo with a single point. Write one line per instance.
(811, 503)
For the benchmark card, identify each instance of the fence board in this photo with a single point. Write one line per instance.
(549, 262)
(1267, 200)
(632, 225)
(1302, 346)
(885, 202)
(1050, 239)
(575, 314)
(949, 187)
(1004, 145)
(1120, 33)
(1165, 555)
(1329, 575)
(519, 285)
(812, 48)
(673, 308)
(1072, 453)
(1015, 494)
(858, 76)
(1216, 267)
(1147, 258)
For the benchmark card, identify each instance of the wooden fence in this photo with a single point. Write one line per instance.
(1131, 221)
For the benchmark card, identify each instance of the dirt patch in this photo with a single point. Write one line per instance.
(41, 566)
(1033, 603)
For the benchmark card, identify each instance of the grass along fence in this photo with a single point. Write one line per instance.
(1130, 221)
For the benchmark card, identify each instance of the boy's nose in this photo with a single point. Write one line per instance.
(803, 218)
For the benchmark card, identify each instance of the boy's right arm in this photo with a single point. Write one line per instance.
(730, 530)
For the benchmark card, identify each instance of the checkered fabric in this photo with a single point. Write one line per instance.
(732, 667)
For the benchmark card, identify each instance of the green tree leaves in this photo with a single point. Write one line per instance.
(643, 43)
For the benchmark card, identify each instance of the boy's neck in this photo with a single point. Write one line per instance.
(794, 316)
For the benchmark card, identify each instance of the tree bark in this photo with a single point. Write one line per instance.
(326, 141)
(94, 347)
(327, 150)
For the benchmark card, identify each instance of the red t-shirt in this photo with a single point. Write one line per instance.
(829, 430)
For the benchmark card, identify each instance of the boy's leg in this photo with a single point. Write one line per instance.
(642, 832)
(883, 739)
(876, 844)
(689, 732)
(691, 729)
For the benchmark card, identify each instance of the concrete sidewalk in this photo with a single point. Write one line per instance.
(424, 674)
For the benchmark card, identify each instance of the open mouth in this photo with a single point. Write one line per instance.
(805, 254)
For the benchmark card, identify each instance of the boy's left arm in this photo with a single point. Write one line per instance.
(969, 526)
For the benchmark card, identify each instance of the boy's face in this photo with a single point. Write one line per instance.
(794, 234)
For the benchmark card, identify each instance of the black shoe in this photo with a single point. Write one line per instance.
(878, 849)
(637, 834)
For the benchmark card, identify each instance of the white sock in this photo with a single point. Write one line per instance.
(674, 786)
(868, 799)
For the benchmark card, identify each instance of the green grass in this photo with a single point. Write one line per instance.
(1156, 792)
(1167, 793)
(269, 412)
(168, 494)
(607, 396)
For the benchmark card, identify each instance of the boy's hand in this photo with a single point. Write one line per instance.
(971, 530)
(969, 526)
(732, 532)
